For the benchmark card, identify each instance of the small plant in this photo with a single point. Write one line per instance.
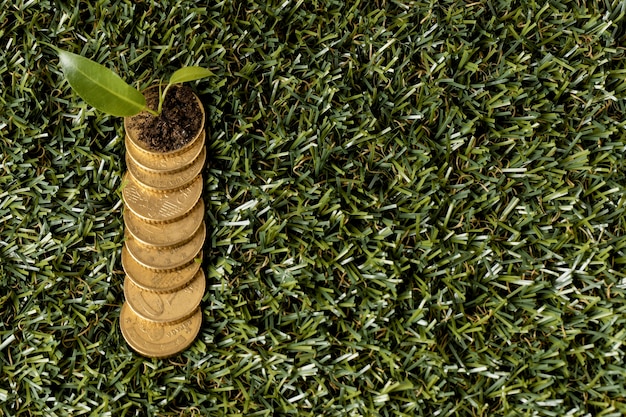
(108, 92)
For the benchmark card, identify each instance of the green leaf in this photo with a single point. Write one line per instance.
(187, 74)
(99, 86)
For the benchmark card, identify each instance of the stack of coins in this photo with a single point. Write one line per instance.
(165, 233)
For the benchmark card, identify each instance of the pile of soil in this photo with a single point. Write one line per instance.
(177, 125)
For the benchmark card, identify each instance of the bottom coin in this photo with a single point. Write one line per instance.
(158, 340)
(165, 307)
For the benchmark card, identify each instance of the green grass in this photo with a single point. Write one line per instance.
(415, 208)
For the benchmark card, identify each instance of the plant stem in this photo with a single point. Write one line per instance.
(162, 98)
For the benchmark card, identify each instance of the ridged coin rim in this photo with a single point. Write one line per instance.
(147, 255)
(151, 162)
(164, 207)
(134, 224)
(159, 281)
(166, 182)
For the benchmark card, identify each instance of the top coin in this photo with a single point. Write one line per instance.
(159, 164)
(133, 132)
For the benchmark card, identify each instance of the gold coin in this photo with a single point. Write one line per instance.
(158, 340)
(159, 281)
(169, 181)
(160, 207)
(165, 234)
(169, 307)
(132, 134)
(167, 257)
(160, 164)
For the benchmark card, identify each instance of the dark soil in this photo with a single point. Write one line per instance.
(178, 123)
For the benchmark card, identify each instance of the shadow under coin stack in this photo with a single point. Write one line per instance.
(165, 233)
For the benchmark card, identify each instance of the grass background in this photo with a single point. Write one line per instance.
(414, 208)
